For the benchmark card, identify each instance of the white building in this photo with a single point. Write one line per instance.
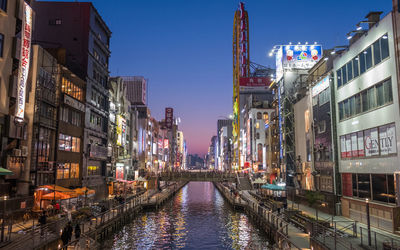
(367, 120)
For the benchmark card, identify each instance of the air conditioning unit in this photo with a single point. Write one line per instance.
(24, 151)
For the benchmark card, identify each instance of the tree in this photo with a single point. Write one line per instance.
(313, 199)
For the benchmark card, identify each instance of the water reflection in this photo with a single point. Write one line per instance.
(196, 218)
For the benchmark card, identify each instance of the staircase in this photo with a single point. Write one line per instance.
(244, 183)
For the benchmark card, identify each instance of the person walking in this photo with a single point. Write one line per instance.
(64, 237)
(69, 231)
(77, 231)
(42, 221)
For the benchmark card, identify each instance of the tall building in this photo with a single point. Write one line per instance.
(87, 55)
(16, 101)
(368, 123)
(137, 89)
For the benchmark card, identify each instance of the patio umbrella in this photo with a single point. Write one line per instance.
(4, 171)
(55, 196)
(82, 190)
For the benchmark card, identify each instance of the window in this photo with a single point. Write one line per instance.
(369, 99)
(364, 188)
(71, 89)
(379, 187)
(357, 102)
(259, 116)
(339, 77)
(355, 67)
(324, 96)
(377, 52)
(349, 71)
(1, 44)
(266, 118)
(67, 171)
(307, 120)
(69, 143)
(3, 5)
(384, 47)
(45, 110)
(368, 57)
(344, 75)
(70, 116)
(93, 170)
(362, 63)
(321, 127)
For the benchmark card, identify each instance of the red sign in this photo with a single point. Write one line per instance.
(166, 144)
(169, 114)
(119, 173)
(255, 81)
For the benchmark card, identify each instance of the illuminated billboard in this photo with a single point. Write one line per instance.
(24, 61)
(121, 131)
(169, 115)
(296, 57)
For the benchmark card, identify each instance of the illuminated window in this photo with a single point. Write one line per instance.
(71, 89)
(67, 171)
(307, 120)
(93, 170)
(257, 125)
(266, 118)
(69, 143)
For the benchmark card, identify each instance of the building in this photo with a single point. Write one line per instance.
(367, 100)
(16, 103)
(87, 55)
(120, 131)
(137, 89)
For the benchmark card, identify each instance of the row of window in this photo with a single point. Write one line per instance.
(69, 143)
(93, 170)
(322, 97)
(100, 78)
(46, 110)
(72, 89)
(371, 56)
(70, 116)
(67, 171)
(47, 80)
(370, 142)
(378, 187)
(371, 98)
(96, 120)
(98, 99)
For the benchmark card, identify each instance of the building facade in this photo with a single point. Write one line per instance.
(87, 55)
(368, 123)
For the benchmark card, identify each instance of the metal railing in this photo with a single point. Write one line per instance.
(329, 237)
(378, 240)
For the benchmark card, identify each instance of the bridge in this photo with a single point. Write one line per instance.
(198, 176)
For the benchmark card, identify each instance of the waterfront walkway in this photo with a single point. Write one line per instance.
(354, 232)
(31, 236)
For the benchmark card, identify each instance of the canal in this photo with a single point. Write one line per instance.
(198, 217)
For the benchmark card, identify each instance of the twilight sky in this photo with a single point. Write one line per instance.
(184, 48)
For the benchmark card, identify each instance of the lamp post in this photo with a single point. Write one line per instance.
(4, 217)
(368, 222)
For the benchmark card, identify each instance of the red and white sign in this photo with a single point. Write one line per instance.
(169, 114)
(23, 71)
(255, 81)
(166, 143)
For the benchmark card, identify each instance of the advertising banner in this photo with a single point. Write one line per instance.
(360, 139)
(169, 114)
(387, 137)
(23, 70)
(121, 131)
(300, 56)
(343, 146)
(254, 83)
(348, 146)
(320, 86)
(354, 142)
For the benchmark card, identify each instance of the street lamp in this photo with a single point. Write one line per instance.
(368, 222)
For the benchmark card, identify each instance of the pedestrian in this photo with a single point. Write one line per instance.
(64, 236)
(77, 231)
(69, 231)
(42, 221)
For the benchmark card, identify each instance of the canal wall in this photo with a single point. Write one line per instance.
(272, 223)
(102, 226)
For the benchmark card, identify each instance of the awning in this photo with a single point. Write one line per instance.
(273, 187)
(4, 171)
(59, 189)
(55, 196)
(83, 190)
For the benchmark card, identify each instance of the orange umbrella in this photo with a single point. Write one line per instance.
(55, 196)
(82, 190)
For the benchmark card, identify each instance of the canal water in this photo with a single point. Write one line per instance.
(198, 217)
